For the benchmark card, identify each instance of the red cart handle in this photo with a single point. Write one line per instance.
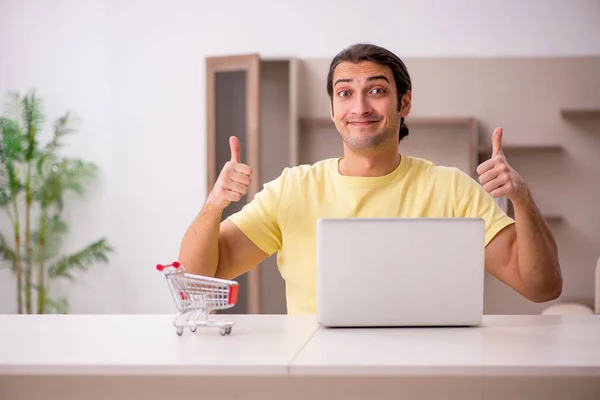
(174, 264)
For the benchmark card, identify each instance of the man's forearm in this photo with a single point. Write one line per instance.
(537, 252)
(199, 251)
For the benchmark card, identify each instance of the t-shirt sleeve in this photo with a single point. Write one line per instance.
(258, 219)
(472, 201)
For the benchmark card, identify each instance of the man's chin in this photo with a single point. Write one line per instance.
(365, 141)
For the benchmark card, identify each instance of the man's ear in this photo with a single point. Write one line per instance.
(405, 104)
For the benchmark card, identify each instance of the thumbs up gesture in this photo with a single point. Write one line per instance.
(497, 177)
(233, 181)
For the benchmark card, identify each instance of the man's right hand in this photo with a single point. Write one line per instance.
(212, 247)
(233, 181)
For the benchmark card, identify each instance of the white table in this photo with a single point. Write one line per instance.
(147, 345)
(268, 356)
(508, 357)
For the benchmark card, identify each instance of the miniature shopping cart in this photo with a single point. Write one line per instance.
(197, 296)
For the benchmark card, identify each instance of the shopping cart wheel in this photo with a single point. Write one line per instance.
(225, 331)
(192, 329)
(180, 330)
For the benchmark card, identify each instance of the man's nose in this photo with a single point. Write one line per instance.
(362, 106)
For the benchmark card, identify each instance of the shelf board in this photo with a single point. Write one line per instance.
(442, 122)
(580, 113)
(439, 121)
(317, 122)
(527, 148)
(550, 218)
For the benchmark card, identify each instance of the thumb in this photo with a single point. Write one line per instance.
(236, 149)
(497, 142)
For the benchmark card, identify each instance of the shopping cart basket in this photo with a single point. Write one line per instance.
(197, 296)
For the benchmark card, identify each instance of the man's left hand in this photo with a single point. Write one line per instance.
(497, 176)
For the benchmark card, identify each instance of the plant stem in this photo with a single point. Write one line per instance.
(41, 272)
(31, 132)
(28, 240)
(18, 269)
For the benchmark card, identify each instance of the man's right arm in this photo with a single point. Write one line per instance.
(212, 248)
(221, 250)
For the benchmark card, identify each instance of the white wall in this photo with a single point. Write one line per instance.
(134, 72)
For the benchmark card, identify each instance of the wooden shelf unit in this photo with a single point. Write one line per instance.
(553, 218)
(580, 113)
(550, 218)
(254, 99)
(525, 148)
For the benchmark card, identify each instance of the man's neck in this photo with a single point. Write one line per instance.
(369, 164)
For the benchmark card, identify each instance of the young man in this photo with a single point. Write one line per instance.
(370, 92)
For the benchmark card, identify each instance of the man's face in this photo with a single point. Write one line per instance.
(364, 106)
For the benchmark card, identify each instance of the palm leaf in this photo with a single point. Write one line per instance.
(76, 174)
(82, 260)
(4, 177)
(13, 140)
(12, 144)
(32, 117)
(31, 110)
(6, 252)
(47, 161)
(12, 106)
(55, 230)
(58, 177)
(46, 181)
(62, 126)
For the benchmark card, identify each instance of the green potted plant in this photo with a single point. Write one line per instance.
(34, 179)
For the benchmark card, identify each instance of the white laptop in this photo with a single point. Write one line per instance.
(377, 272)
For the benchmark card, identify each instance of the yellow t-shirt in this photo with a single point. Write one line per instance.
(282, 217)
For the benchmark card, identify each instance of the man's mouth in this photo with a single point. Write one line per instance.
(362, 123)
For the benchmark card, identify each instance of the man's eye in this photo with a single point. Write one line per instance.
(344, 93)
(377, 91)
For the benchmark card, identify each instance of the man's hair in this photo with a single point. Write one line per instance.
(369, 52)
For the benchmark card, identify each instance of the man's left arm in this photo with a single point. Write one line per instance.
(523, 255)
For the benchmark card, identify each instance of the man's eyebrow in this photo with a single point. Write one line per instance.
(342, 81)
(377, 77)
(371, 78)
